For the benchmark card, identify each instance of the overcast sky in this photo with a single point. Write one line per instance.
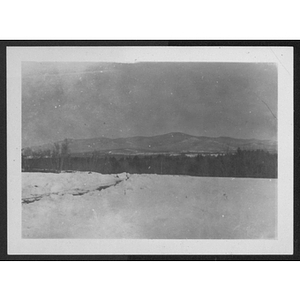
(83, 100)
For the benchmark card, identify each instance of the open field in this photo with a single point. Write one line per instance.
(92, 205)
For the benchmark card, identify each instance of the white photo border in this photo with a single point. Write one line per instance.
(282, 56)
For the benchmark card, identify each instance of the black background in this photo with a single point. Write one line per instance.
(171, 43)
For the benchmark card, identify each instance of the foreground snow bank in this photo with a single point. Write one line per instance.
(37, 185)
(92, 205)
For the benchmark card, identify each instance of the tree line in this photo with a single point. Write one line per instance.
(242, 163)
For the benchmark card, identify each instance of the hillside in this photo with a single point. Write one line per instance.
(175, 142)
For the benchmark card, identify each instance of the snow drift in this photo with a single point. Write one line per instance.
(92, 205)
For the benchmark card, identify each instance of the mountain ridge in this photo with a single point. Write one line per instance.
(173, 142)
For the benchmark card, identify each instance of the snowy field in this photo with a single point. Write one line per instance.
(92, 205)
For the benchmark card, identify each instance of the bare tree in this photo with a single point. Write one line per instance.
(55, 155)
(65, 151)
(59, 154)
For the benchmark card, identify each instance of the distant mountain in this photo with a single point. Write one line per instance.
(175, 142)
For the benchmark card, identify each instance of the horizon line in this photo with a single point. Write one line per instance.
(156, 135)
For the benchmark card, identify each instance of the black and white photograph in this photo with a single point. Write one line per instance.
(150, 149)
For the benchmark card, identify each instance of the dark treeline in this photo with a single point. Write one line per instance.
(242, 163)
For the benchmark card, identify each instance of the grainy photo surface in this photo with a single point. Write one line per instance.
(136, 148)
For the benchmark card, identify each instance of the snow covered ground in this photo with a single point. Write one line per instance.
(92, 205)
